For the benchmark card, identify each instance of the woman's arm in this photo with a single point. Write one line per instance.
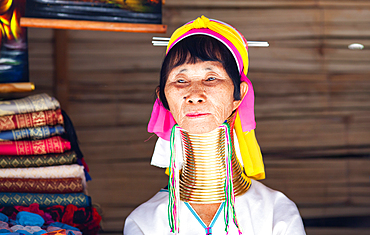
(131, 228)
(287, 220)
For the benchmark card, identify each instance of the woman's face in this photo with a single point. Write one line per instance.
(200, 96)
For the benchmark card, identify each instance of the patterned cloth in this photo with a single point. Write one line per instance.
(35, 119)
(29, 104)
(54, 144)
(34, 133)
(63, 171)
(53, 230)
(57, 225)
(23, 161)
(5, 226)
(44, 200)
(29, 229)
(58, 185)
(49, 172)
(57, 232)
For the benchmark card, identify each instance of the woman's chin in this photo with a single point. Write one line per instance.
(200, 128)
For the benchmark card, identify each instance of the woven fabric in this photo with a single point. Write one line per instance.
(28, 104)
(34, 133)
(57, 232)
(54, 144)
(30, 229)
(51, 229)
(34, 119)
(64, 171)
(59, 185)
(4, 227)
(44, 200)
(50, 172)
(23, 161)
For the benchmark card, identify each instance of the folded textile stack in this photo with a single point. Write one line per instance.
(40, 162)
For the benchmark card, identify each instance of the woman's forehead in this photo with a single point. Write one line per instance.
(200, 65)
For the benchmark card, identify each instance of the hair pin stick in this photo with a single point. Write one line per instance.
(159, 41)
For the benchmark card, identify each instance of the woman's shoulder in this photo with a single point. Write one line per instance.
(273, 207)
(263, 200)
(261, 191)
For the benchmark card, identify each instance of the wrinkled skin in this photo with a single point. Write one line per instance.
(200, 96)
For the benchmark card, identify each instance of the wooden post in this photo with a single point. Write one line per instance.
(61, 84)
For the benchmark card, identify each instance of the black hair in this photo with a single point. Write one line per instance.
(197, 48)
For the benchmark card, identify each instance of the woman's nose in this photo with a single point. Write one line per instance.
(193, 100)
(196, 95)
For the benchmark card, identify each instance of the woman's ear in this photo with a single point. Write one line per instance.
(157, 92)
(243, 92)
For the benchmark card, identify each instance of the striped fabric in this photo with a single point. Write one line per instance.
(58, 185)
(34, 119)
(23, 161)
(44, 200)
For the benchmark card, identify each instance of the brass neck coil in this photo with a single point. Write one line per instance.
(203, 175)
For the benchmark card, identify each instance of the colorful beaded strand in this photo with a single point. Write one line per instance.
(229, 189)
(173, 187)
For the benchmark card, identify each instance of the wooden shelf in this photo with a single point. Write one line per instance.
(92, 25)
(16, 87)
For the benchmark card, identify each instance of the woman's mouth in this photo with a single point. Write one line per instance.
(195, 115)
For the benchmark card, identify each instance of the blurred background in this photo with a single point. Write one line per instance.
(312, 104)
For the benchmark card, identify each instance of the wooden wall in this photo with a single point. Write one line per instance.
(312, 102)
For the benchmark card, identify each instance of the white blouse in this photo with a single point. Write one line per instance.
(260, 211)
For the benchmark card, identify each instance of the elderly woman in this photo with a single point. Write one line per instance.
(204, 118)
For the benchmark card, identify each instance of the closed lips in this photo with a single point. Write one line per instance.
(196, 114)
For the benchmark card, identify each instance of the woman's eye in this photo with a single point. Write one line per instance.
(211, 79)
(181, 81)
